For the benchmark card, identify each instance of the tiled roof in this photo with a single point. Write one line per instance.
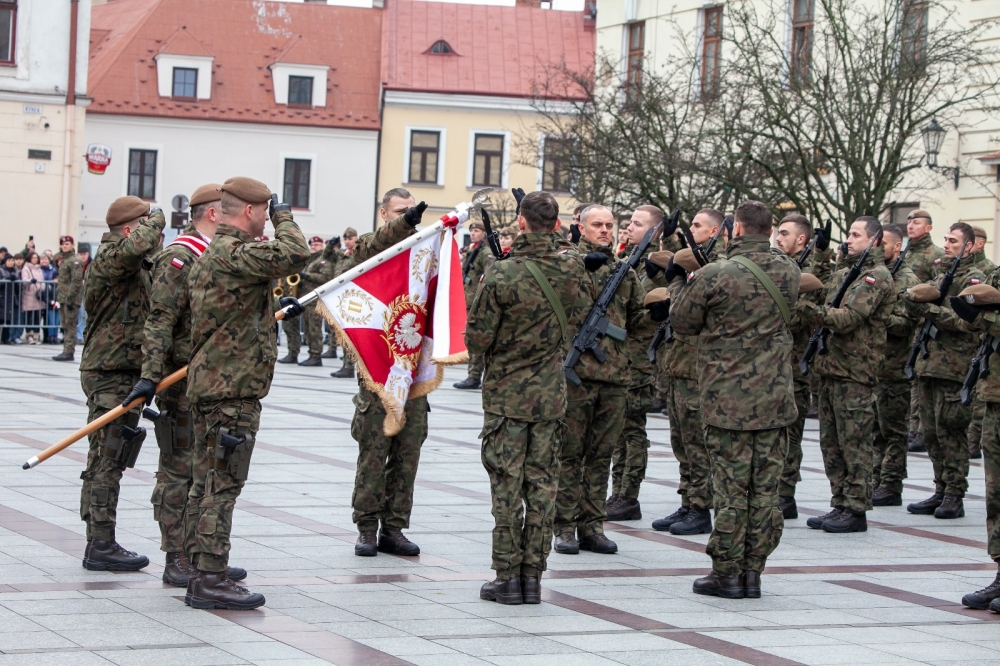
(504, 51)
(245, 37)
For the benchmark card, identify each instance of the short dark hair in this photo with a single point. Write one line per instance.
(655, 213)
(967, 232)
(894, 230)
(755, 217)
(395, 192)
(801, 222)
(580, 207)
(540, 211)
(715, 215)
(872, 225)
(198, 210)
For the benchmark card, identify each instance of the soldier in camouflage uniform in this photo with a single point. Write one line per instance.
(596, 408)
(631, 454)
(747, 395)
(387, 465)
(320, 270)
(344, 263)
(117, 302)
(939, 379)
(293, 328)
(848, 374)
(520, 320)
(69, 293)
(678, 360)
(892, 394)
(978, 404)
(233, 350)
(474, 261)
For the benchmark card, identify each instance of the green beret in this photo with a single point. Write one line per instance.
(126, 209)
(247, 189)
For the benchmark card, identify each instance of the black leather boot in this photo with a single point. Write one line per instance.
(789, 509)
(751, 583)
(663, 524)
(392, 540)
(311, 362)
(567, 544)
(981, 599)
(290, 358)
(63, 357)
(216, 590)
(178, 570)
(625, 509)
(531, 590)
(915, 443)
(469, 383)
(816, 522)
(367, 544)
(846, 521)
(506, 592)
(101, 555)
(885, 497)
(927, 506)
(695, 521)
(343, 373)
(951, 507)
(714, 585)
(659, 404)
(329, 353)
(598, 543)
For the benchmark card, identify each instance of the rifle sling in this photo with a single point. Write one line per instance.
(550, 295)
(786, 313)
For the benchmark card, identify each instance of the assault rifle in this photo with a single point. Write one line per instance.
(817, 341)
(470, 260)
(492, 237)
(929, 330)
(801, 261)
(901, 258)
(596, 326)
(979, 368)
(665, 332)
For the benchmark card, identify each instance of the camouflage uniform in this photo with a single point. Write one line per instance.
(920, 259)
(166, 347)
(595, 412)
(318, 272)
(233, 350)
(892, 394)
(848, 374)
(747, 395)
(69, 293)
(476, 260)
(524, 393)
(117, 302)
(944, 419)
(631, 454)
(975, 432)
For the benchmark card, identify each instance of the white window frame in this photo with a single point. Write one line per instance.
(540, 172)
(312, 179)
(126, 151)
(699, 52)
(505, 164)
(279, 77)
(165, 64)
(442, 145)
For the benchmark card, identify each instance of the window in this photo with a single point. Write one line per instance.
(898, 213)
(424, 148)
(914, 35)
(636, 39)
(441, 47)
(711, 53)
(8, 29)
(142, 174)
(802, 38)
(487, 162)
(300, 90)
(555, 164)
(297, 183)
(185, 83)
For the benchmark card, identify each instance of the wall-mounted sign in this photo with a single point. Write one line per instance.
(98, 158)
(39, 154)
(33, 109)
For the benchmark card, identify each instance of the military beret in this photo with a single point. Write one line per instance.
(919, 213)
(923, 293)
(207, 193)
(662, 258)
(350, 232)
(315, 239)
(655, 296)
(685, 259)
(247, 189)
(126, 209)
(477, 225)
(980, 294)
(809, 283)
(508, 231)
(62, 239)
(979, 232)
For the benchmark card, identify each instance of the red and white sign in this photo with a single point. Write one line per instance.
(98, 158)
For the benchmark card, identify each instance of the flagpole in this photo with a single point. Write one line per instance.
(453, 219)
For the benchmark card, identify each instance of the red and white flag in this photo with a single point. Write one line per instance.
(403, 319)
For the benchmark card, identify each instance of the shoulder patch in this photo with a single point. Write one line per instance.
(870, 279)
(974, 281)
(938, 260)
(177, 263)
(563, 251)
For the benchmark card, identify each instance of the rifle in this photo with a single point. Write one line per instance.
(492, 237)
(665, 332)
(469, 262)
(929, 330)
(817, 341)
(901, 258)
(979, 368)
(596, 326)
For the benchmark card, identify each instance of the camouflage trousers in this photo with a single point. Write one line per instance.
(312, 322)
(687, 440)
(892, 409)
(477, 364)
(991, 464)
(631, 454)
(975, 433)
(914, 420)
(103, 475)
(293, 335)
(387, 466)
(594, 419)
(214, 488)
(946, 431)
(746, 469)
(521, 460)
(68, 315)
(846, 424)
(791, 470)
(175, 438)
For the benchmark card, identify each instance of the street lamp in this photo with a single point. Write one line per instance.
(933, 135)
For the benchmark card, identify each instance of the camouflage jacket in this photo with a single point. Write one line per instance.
(856, 344)
(70, 288)
(233, 336)
(117, 298)
(679, 357)
(948, 357)
(899, 329)
(981, 262)
(625, 311)
(321, 269)
(744, 346)
(474, 262)
(513, 324)
(641, 333)
(801, 330)
(922, 258)
(166, 344)
(988, 323)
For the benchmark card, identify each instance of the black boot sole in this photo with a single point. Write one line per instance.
(531, 599)
(678, 530)
(898, 501)
(928, 511)
(392, 551)
(208, 604)
(631, 515)
(814, 523)
(960, 514)
(974, 605)
(94, 565)
(752, 593)
(504, 599)
(725, 594)
(838, 530)
(364, 552)
(568, 550)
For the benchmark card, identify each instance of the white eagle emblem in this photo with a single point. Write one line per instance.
(407, 331)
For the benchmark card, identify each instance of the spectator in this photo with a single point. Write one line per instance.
(49, 254)
(9, 296)
(83, 253)
(18, 319)
(3, 255)
(33, 298)
(51, 312)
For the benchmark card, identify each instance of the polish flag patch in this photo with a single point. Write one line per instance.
(177, 263)
(974, 281)
(870, 280)
(937, 261)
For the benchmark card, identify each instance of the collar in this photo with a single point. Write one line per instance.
(112, 236)
(748, 245)
(229, 230)
(922, 242)
(532, 243)
(585, 247)
(875, 257)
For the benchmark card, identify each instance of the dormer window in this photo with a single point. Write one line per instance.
(299, 85)
(441, 47)
(184, 77)
(185, 83)
(300, 90)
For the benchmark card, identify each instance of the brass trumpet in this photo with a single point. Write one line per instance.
(292, 282)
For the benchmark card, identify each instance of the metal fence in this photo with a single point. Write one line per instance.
(28, 312)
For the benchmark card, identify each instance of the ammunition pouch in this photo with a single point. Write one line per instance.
(124, 441)
(173, 431)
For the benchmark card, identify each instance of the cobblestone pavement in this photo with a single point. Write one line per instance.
(888, 596)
